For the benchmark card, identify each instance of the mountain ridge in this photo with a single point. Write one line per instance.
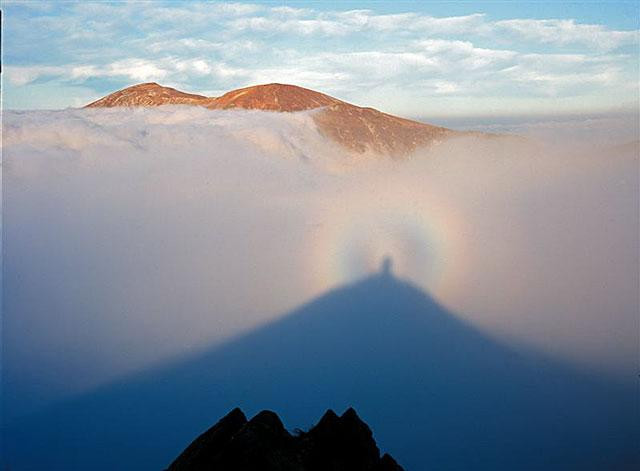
(334, 443)
(358, 129)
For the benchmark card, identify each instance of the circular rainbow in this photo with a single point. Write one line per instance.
(419, 232)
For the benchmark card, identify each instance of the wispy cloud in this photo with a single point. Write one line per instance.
(563, 32)
(357, 54)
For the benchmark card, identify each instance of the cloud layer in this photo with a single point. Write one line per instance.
(132, 236)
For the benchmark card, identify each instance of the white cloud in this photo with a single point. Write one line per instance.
(464, 53)
(142, 70)
(310, 22)
(121, 219)
(297, 26)
(549, 83)
(23, 75)
(219, 46)
(475, 23)
(563, 32)
(290, 11)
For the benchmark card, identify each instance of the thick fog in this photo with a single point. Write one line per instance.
(135, 236)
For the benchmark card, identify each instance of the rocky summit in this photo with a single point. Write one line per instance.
(335, 443)
(146, 95)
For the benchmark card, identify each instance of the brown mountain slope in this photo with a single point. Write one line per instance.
(148, 94)
(362, 129)
(273, 97)
(356, 128)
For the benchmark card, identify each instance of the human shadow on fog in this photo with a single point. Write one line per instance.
(437, 393)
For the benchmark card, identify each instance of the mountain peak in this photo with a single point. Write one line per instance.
(268, 419)
(273, 97)
(148, 85)
(335, 443)
(148, 94)
(356, 128)
(328, 420)
(351, 415)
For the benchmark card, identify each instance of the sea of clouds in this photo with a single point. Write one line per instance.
(132, 236)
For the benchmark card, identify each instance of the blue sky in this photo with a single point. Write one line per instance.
(405, 57)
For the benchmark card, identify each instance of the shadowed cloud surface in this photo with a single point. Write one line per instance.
(436, 392)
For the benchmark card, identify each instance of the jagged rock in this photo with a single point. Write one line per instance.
(342, 443)
(203, 450)
(387, 463)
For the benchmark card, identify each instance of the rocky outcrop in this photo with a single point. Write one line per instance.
(336, 443)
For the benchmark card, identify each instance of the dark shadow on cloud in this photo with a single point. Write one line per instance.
(437, 394)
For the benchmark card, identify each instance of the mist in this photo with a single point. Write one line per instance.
(136, 236)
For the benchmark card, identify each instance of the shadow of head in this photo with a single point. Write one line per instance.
(386, 268)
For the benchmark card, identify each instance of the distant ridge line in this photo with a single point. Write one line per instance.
(358, 129)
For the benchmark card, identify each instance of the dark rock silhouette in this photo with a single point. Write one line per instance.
(205, 449)
(334, 444)
(438, 393)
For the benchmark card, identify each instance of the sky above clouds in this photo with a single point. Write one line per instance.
(409, 58)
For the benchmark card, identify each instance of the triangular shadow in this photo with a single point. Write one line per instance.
(437, 393)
